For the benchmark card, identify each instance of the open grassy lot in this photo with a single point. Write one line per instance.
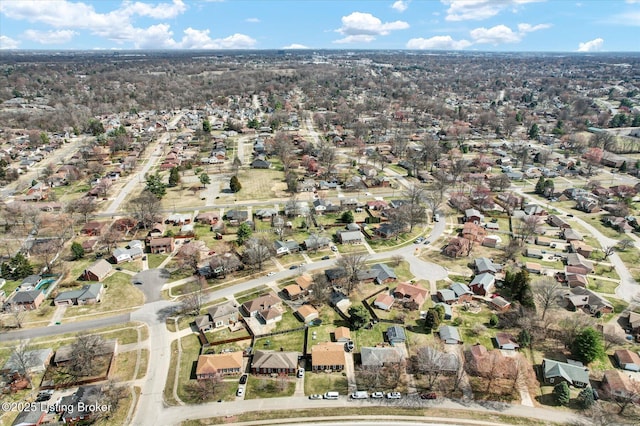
(125, 365)
(134, 266)
(403, 239)
(154, 260)
(120, 415)
(119, 295)
(259, 387)
(261, 184)
(602, 286)
(324, 382)
(144, 364)
(171, 375)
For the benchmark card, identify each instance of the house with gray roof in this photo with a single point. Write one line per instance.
(34, 361)
(483, 264)
(462, 291)
(449, 335)
(350, 237)
(87, 295)
(482, 284)
(448, 312)
(280, 362)
(574, 373)
(315, 243)
(395, 334)
(446, 296)
(374, 357)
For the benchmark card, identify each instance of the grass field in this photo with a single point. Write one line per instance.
(119, 294)
(267, 387)
(324, 382)
(260, 184)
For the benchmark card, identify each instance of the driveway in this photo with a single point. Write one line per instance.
(152, 281)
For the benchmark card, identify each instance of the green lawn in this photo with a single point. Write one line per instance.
(618, 305)
(289, 342)
(188, 359)
(247, 295)
(154, 260)
(372, 337)
(325, 382)
(259, 387)
(602, 286)
(260, 184)
(119, 294)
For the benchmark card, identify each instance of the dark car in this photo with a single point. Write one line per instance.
(326, 257)
(429, 395)
(243, 379)
(293, 267)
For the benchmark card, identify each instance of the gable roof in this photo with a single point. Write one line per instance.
(275, 360)
(484, 264)
(460, 289)
(395, 332)
(327, 353)
(412, 292)
(625, 356)
(222, 310)
(377, 357)
(342, 333)
(261, 302)
(570, 373)
(449, 333)
(447, 295)
(384, 272)
(87, 292)
(484, 280)
(211, 364)
(100, 268)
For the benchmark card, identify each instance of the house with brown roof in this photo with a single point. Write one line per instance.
(307, 313)
(558, 222)
(275, 362)
(457, 247)
(260, 303)
(384, 301)
(627, 360)
(578, 261)
(93, 228)
(224, 364)
(411, 296)
(97, 271)
(581, 248)
(575, 279)
(533, 267)
(500, 304)
(506, 341)
(327, 356)
(342, 334)
(616, 384)
(300, 288)
(473, 232)
(208, 218)
(161, 245)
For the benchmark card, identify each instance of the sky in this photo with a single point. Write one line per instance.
(463, 25)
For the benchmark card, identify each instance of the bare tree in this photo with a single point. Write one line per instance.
(23, 360)
(319, 290)
(191, 302)
(111, 237)
(189, 257)
(352, 263)
(111, 394)
(257, 251)
(327, 158)
(625, 244)
(206, 389)
(145, 208)
(608, 251)
(547, 292)
(623, 399)
(84, 206)
(84, 351)
(431, 361)
(528, 226)
(49, 250)
(414, 212)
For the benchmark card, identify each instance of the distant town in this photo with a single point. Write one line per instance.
(222, 237)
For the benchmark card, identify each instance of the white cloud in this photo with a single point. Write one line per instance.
(159, 11)
(502, 34)
(50, 37)
(400, 5)
(8, 43)
(477, 10)
(358, 24)
(361, 38)
(437, 43)
(591, 46)
(117, 25)
(295, 46)
(252, 20)
(629, 19)
(633, 1)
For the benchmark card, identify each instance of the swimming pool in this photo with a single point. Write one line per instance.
(45, 283)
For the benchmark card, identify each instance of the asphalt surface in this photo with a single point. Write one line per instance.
(152, 281)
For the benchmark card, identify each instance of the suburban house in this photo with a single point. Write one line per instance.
(506, 341)
(633, 320)
(448, 311)
(376, 357)
(89, 294)
(462, 292)
(482, 284)
(223, 364)
(133, 251)
(570, 234)
(97, 271)
(275, 362)
(395, 335)
(34, 361)
(316, 243)
(26, 300)
(307, 313)
(300, 288)
(81, 405)
(572, 372)
(558, 222)
(161, 245)
(342, 334)
(500, 304)
(575, 279)
(259, 163)
(627, 360)
(473, 216)
(327, 356)
(449, 335)
(615, 383)
(578, 261)
(236, 217)
(218, 316)
(581, 248)
(261, 303)
(585, 299)
(335, 274)
(457, 247)
(379, 273)
(350, 237)
(384, 301)
(534, 252)
(483, 264)
(446, 296)
(410, 295)
(473, 232)
(286, 247)
(93, 229)
(30, 417)
(207, 218)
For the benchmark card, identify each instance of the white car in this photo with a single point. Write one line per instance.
(270, 274)
(240, 392)
(394, 395)
(334, 248)
(377, 395)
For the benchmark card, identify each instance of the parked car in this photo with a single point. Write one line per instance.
(349, 346)
(293, 267)
(315, 396)
(240, 392)
(243, 379)
(270, 274)
(419, 240)
(394, 395)
(334, 248)
(430, 395)
(426, 242)
(300, 373)
(326, 257)
(377, 395)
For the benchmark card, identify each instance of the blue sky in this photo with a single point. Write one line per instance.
(467, 25)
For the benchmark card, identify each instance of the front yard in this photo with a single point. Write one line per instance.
(259, 387)
(324, 382)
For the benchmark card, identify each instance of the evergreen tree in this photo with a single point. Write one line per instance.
(493, 320)
(244, 233)
(561, 393)
(234, 184)
(21, 267)
(534, 131)
(206, 126)
(156, 186)
(585, 398)
(549, 187)
(524, 338)
(77, 250)
(540, 185)
(347, 217)
(432, 320)
(587, 345)
(174, 177)
(359, 316)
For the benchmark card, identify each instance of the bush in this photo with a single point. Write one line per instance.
(585, 398)
(561, 393)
